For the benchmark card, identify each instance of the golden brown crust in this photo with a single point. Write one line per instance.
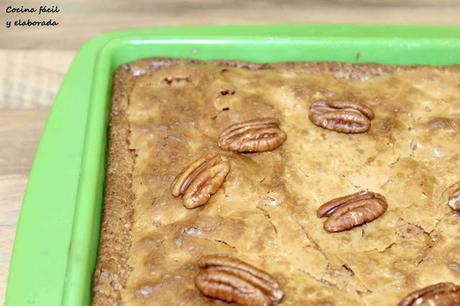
(112, 270)
(177, 110)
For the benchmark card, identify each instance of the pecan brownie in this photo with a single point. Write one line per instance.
(294, 183)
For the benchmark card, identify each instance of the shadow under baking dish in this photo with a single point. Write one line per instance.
(58, 233)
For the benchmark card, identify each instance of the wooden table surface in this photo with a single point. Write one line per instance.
(33, 61)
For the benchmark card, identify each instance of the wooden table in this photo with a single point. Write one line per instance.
(34, 61)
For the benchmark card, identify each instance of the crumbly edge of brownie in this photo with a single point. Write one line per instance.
(351, 71)
(112, 269)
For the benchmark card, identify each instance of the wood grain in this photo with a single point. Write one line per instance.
(33, 61)
(31, 78)
(82, 19)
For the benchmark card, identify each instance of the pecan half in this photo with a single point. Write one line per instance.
(454, 200)
(232, 280)
(441, 294)
(201, 179)
(252, 136)
(352, 210)
(348, 117)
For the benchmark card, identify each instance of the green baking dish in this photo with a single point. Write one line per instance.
(57, 236)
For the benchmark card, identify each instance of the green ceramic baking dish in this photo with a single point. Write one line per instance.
(58, 233)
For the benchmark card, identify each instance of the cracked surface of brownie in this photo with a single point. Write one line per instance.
(265, 213)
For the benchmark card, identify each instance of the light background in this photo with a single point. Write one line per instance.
(33, 61)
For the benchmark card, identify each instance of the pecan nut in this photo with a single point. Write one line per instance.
(445, 294)
(352, 210)
(454, 200)
(232, 280)
(257, 135)
(201, 179)
(347, 117)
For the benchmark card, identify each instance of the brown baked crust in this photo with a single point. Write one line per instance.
(112, 270)
(413, 245)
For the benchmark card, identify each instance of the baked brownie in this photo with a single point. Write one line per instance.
(293, 183)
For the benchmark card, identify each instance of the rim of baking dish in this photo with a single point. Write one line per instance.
(57, 235)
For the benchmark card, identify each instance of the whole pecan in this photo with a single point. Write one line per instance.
(201, 179)
(232, 280)
(341, 116)
(257, 135)
(454, 200)
(441, 294)
(352, 210)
